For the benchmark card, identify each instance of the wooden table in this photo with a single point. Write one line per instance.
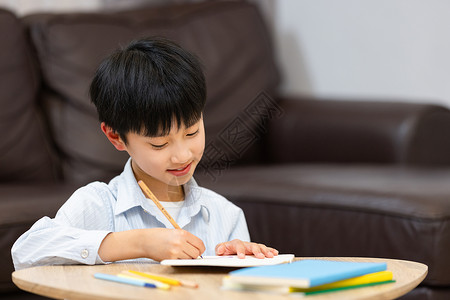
(77, 282)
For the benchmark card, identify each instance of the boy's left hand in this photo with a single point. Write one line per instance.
(245, 248)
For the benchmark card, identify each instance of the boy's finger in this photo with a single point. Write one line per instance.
(274, 251)
(240, 250)
(267, 251)
(196, 243)
(257, 251)
(191, 252)
(220, 249)
(248, 248)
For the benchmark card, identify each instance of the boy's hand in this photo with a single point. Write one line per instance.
(172, 244)
(245, 248)
(155, 243)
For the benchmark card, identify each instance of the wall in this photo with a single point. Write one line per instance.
(377, 49)
(397, 49)
(23, 7)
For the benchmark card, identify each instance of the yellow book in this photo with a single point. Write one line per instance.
(382, 276)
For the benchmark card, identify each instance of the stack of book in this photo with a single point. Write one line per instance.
(308, 277)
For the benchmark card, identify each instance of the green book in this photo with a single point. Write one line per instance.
(229, 285)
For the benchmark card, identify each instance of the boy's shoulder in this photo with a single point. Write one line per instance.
(111, 189)
(99, 189)
(210, 194)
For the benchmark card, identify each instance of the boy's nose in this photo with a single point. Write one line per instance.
(181, 155)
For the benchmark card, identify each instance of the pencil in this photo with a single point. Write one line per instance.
(123, 280)
(158, 284)
(164, 279)
(151, 196)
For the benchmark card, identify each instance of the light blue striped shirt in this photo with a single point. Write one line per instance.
(75, 234)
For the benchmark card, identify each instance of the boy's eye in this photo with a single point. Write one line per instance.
(192, 134)
(158, 146)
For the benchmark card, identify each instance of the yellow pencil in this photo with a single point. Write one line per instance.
(150, 195)
(164, 279)
(158, 284)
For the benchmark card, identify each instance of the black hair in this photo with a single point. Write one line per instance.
(146, 86)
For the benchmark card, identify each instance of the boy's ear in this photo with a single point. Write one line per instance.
(113, 137)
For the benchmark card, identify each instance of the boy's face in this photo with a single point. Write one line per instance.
(169, 159)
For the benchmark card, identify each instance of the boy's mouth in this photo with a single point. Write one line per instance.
(180, 171)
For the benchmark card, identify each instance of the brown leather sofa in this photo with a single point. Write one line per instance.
(315, 177)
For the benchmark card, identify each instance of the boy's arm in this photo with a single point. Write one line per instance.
(73, 236)
(154, 243)
(51, 242)
(47, 242)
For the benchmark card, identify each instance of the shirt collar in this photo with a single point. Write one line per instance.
(194, 203)
(130, 195)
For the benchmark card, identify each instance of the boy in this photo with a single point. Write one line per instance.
(150, 98)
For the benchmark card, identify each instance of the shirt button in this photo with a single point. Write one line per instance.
(84, 253)
(205, 214)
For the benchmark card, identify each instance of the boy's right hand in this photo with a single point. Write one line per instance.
(154, 243)
(163, 243)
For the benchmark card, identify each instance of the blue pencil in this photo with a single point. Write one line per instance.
(123, 280)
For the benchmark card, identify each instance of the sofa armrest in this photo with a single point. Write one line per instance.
(334, 131)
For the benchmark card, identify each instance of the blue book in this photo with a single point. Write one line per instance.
(304, 273)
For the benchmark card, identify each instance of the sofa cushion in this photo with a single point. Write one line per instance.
(23, 204)
(229, 38)
(326, 210)
(24, 153)
(349, 131)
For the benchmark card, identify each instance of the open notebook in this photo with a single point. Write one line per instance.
(230, 261)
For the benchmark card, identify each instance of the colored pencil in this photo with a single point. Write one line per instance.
(118, 279)
(159, 284)
(167, 280)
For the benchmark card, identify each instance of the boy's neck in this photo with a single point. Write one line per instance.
(162, 191)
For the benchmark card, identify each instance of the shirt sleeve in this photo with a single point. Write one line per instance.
(72, 237)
